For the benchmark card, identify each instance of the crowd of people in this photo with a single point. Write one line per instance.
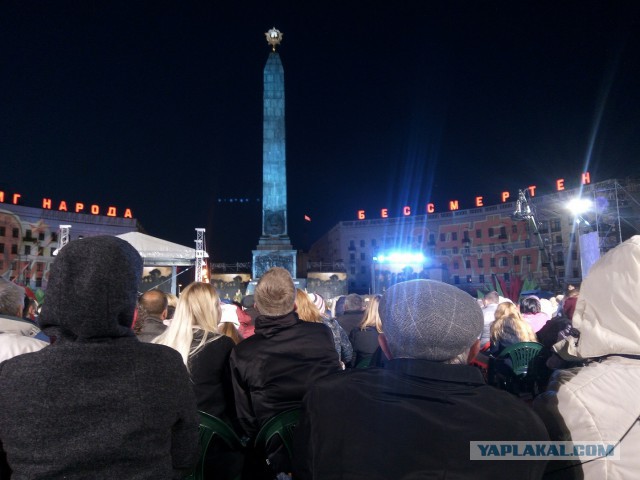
(108, 384)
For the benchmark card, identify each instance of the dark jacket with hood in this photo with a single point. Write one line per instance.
(96, 403)
(273, 369)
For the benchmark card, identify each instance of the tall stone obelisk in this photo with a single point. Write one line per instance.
(274, 248)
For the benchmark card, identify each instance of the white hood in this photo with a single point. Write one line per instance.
(608, 309)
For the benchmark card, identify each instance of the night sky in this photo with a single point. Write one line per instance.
(157, 106)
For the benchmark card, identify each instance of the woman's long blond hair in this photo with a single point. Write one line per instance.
(198, 309)
(305, 308)
(508, 317)
(371, 317)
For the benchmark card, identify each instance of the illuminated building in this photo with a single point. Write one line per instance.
(468, 247)
(29, 236)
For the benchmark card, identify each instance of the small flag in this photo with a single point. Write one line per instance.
(307, 218)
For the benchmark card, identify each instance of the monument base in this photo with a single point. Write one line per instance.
(264, 259)
(274, 243)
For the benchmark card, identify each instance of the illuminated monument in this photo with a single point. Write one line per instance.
(274, 248)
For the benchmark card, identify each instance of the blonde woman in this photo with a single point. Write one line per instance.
(205, 352)
(306, 309)
(310, 307)
(364, 338)
(509, 328)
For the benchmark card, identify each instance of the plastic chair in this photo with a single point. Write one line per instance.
(522, 364)
(521, 356)
(364, 363)
(210, 427)
(281, 425)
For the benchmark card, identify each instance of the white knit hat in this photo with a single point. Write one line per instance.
(318, 301)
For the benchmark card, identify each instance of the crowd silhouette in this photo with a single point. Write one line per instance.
(100, 382)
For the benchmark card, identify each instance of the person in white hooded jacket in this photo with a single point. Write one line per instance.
(599, 401)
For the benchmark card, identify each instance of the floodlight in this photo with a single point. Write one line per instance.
(578, 206)
(403, 258)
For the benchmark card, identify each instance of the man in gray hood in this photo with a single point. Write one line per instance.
(96, 403)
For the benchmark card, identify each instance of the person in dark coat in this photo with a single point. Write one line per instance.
(96, 403)
(272, 370)
(364, 338)
(353, 312)
(194, 334)
(153, 308)
(415, 418)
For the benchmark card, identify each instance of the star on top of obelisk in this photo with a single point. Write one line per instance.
(274, 37)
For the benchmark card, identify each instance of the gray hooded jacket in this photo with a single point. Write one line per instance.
(96, 403)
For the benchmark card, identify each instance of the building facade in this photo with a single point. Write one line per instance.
(30, 236)
(472, 248)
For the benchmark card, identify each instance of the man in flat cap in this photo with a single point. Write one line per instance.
(417, 416)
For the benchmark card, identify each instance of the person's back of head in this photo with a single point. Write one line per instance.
(275, 293)
(198, 308)
(512, 328)
(339, 305)
(155, 303)
(430, 320)
(371, 317)
(573, 290)
(353, 303)
(506, 309)
(530, 305)
(172, 303)
(11, 298)
(319, 303)
(248, 301)
(306, 309)
(491, 297)
(30, 309)
(92, 289)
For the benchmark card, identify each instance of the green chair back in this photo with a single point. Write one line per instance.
(365, 362)
(521, 356)
(210, 427)
(282, 425)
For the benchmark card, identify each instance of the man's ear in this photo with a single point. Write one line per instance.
(382, 341)
(165, 312)
(473, 351)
